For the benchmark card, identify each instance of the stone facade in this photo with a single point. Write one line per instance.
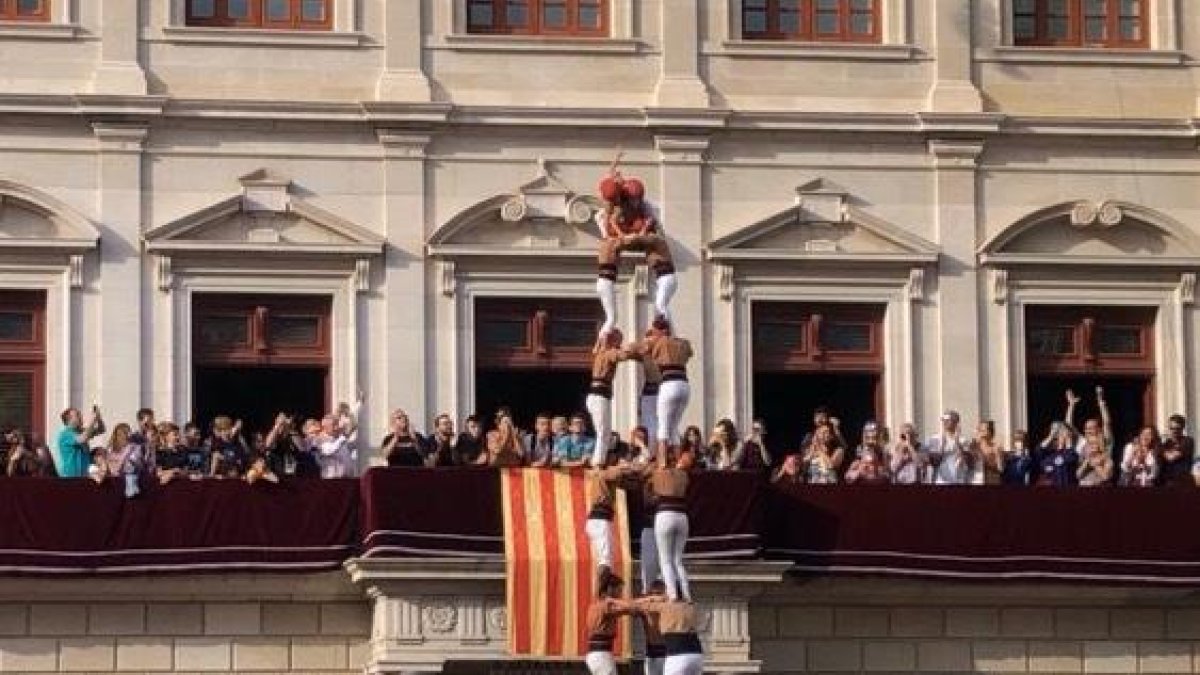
(914, 174)
(228, 623)
(387, 616)
(828, 626)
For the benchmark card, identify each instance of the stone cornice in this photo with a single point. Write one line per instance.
(740, 574)
(432, 116)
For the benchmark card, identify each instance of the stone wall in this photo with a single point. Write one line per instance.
(898, 626)
(217, 623)
(323, 623)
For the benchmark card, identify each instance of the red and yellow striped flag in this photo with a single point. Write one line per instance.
(551, 576)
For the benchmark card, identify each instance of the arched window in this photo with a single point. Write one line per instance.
(1081, 23)
(24, 10)
(811, 20)
(286, 14)
(585, 18)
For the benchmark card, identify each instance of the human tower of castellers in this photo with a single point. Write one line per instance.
(629, 223)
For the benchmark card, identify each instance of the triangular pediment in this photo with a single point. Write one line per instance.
(824, 224)
(32, 220)
(540, 218)
(266, 218)
(1086, 232)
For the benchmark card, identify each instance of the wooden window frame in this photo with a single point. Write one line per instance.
(258, 312)
(9, 12)
(1085, 324)
(28, 356)
(258, 17)
(807, 30)
(535, 27)
(811, 356)
(1076, 31)
(539, 317)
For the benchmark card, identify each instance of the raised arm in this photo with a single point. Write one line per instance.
(1072, 404)
(1105, 415)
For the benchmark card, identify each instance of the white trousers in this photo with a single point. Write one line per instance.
(673, 398)
(606, 290)
(664, 290)
(599, 534)
(651, 570)
(600, 408)
(683, 664)
(648, 416)
(601, 663)
(671, 534)
(655, 666)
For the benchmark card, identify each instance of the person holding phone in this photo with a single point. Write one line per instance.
(72, 454)
(905, 460)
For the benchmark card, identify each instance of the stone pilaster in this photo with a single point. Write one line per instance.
(403, 78)
(679, 82)
(682, 201)
(118, 70)
(955, 216)
(954, 89)
(401, 379)
(119, 206)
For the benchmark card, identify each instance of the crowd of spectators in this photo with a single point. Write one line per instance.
(1066, 456)
(161, 451)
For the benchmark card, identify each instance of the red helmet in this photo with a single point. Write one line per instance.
(610, 188)
(635, 189)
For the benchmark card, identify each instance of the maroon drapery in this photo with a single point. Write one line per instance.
(54, 526)
(456, 513)
(1113, 535)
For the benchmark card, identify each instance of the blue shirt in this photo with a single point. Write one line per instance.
(1056, 466)
(1016, 468)
(71, 456)
(570, 448)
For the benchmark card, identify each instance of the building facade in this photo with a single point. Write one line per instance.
(891, 206)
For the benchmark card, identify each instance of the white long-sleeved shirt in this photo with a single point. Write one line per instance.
(1140, 473)
(333, 456)
(949, 457)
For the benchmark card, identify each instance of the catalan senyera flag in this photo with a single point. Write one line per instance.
(551, 576)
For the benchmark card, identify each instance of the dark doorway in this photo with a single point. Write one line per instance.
(785, 402)
(256, 394)
(257, 355)
(1130, 402)
(528, 392)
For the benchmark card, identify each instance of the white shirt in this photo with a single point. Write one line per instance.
(333, 456)
(1141, 475)
(948, 455)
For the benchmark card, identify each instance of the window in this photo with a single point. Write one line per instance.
(802, 338)
(811, 20)
(585, 18)
(1080, 23)
(261, 330)
(22, 359)
(540, 333)
(292, 14)
(24, 10)
(1090, 340)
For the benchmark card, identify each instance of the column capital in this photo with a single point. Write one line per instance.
(120, 136)
(681, 148)
(955, 152)
(403, 143)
